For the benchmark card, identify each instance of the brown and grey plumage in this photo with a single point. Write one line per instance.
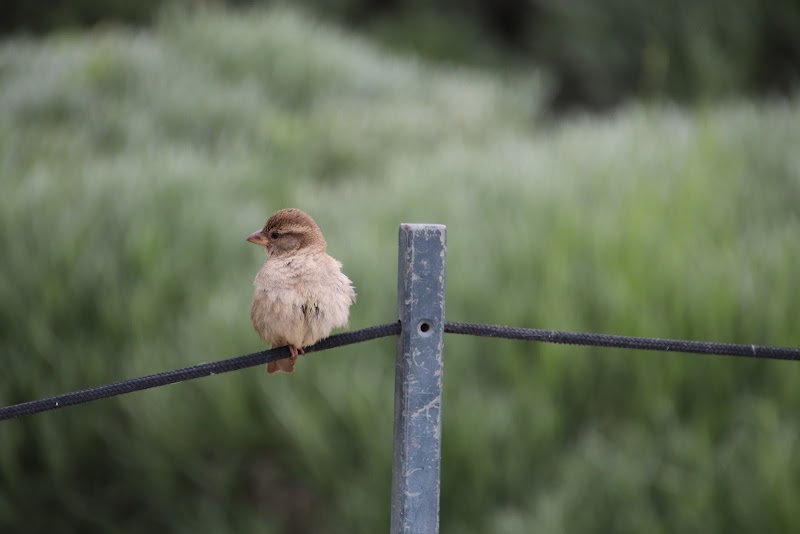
(300, 292)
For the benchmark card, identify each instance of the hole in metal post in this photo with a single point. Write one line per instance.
(424, 328)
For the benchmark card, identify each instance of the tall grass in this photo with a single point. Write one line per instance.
(133, 166)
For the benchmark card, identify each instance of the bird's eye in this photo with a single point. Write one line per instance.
(273, 235)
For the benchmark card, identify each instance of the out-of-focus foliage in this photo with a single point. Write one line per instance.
(603, 51)
(598, 53)
(133, 165)
(49, 15)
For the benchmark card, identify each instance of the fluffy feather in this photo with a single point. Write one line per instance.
(300, 293)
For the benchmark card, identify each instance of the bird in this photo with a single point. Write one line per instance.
(300, 293)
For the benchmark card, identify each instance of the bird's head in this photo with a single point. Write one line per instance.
(288, 231)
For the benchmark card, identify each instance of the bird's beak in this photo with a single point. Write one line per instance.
(258, 238)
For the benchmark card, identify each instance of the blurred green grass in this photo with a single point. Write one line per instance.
(134, 164)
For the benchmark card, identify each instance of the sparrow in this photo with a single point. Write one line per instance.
(300, 292)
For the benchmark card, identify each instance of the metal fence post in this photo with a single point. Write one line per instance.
(418, 380)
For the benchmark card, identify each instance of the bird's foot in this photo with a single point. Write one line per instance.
(287, 364)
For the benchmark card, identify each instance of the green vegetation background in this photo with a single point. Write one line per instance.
(134, 163)
(598, 53)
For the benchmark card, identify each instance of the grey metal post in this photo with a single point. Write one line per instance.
(418, 380)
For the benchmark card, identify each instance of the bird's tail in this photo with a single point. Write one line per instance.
(283, 366)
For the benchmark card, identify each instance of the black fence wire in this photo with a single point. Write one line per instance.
(623, 342)
(393, 329)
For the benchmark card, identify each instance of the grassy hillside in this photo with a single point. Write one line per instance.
(132, 167)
